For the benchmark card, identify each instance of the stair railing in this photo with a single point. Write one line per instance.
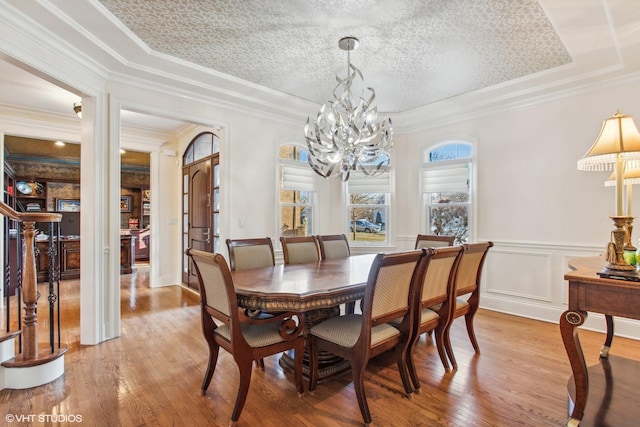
(27, 286)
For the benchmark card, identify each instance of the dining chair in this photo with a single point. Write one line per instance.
(433, 241)
(333, 246)
(300, 249)
(246, 339)
(468, 291)
(359, 337)
(434, 302)
(251, 253)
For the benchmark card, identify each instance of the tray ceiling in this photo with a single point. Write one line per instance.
(412, 53)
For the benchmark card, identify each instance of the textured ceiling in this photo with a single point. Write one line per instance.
(412, 53)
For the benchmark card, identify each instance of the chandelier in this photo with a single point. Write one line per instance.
(346, 134)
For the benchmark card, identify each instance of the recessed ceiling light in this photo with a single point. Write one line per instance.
(60, 144)
(122, 151)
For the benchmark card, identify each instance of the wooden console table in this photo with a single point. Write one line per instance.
(612, 386)
(70, 258)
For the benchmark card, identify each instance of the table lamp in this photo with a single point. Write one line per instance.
(617, 143)
(630, 177)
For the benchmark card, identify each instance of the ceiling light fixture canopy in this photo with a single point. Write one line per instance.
(77, 108)
(346, 134)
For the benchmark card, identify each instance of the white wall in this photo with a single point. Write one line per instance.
(532, 201)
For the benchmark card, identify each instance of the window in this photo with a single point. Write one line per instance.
(298, 187)
(446, 189)
(368, 208)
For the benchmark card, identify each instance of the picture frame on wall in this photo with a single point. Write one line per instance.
(125, 203)
(68, 205)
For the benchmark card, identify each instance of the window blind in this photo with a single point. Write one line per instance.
(361, 183)
(301, 178)
(451, 179)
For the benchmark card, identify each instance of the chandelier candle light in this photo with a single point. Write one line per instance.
(617, 144)
(346, 134)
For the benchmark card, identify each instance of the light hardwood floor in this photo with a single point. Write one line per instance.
(151, 375)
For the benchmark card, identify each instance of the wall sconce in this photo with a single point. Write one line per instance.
(77, 108)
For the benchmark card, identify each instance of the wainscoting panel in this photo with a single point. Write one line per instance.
(527, 279)
(518, 274)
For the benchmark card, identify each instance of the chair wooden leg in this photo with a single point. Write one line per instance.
(243, 388)
(297, 366)
(439, 336)
(411, 367)
(350, 307)
(401, 358)
(446, 338)
(313, 362)
(468, 318)
(357, 368)
(211, 366)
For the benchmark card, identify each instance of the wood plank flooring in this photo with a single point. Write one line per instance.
(151, 375)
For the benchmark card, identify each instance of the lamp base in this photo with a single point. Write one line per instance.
(615, 249)
(632, 276)
(628, 228)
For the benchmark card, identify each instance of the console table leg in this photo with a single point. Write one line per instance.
(569, 321)
(604, 351)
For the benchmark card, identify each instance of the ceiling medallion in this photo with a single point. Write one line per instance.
(346, 134)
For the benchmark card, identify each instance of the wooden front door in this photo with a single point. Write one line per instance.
(201, 194)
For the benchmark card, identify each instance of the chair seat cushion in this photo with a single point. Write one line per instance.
(428, 315)
(259, 335)
(345, 330)
(460, 302)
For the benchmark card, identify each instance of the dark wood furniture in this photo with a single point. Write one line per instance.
(127, 254)
(433, 241)
(303, 287)
(250, 253)
(468, 291)
(610, 387)
(389, 293)
(435, 302)
(315, 289)
(333, 246)
(300, 249)
(70, 258)
(247, 339)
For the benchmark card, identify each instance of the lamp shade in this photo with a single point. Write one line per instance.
(619, 139)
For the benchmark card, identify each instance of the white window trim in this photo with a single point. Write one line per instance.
(473, 161)
(292, 166)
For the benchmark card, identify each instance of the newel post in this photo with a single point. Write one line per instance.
(29, 293)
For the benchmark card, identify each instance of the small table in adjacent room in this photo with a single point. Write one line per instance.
(612, 387)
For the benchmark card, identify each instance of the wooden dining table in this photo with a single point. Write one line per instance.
(315, 290)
